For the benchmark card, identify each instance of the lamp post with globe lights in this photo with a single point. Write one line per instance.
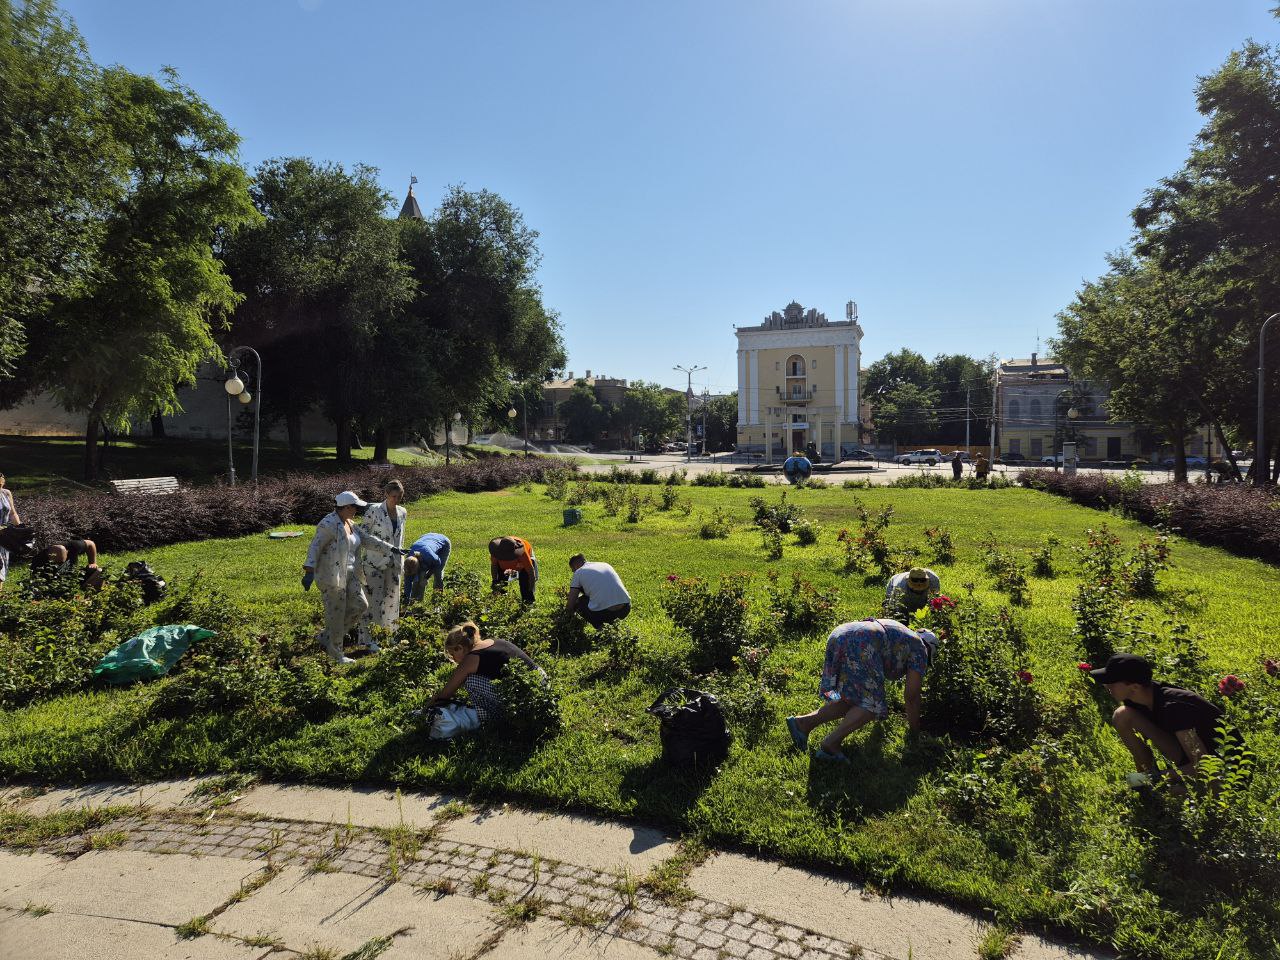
(235, 387)
(1059, 434)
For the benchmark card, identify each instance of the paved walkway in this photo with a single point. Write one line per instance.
(188, 869)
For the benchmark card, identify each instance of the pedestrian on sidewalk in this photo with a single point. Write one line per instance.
(861, 658)
(333, 561)
(596, 593)
(427, 559)
(981, 467)
(383, 568)
(513, 555)
(957, 466)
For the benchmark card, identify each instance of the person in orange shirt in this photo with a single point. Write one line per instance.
(508, 554)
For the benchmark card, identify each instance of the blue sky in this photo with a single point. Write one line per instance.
(957, 168)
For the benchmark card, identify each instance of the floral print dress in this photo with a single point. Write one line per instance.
(861, 656)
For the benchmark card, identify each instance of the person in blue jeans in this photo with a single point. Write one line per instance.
(427, 558)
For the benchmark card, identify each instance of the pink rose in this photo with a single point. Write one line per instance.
(1084, 667)
(941, 602)
(1025, 676)
(672, 578)
(1230, 685)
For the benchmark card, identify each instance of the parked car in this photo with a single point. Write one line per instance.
(856, 454)
(1052, 460)
(931, 457)
(1167, 462)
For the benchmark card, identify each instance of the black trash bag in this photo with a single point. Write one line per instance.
(19, 539)
(153, 587)
(692, 728)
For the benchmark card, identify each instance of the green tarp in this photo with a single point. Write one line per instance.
(150, 654)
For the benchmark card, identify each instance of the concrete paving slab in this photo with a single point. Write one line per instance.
(895, 927)
(58, 936)
(362, 807)
(129, 885)
(547, 940)
(342, 911)
(582, 841)
(162, 795)
(19, 869)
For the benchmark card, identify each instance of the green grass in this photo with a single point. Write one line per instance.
(1097, 873)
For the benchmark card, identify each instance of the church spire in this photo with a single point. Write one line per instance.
(411, 210)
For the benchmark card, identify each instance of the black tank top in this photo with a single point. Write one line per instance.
(492, 660)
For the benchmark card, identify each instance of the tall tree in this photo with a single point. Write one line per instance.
(722, 422)
(964, 395)
(323, 279)
(61, 167)
(118, 345)
(585, 416)
(651, 411)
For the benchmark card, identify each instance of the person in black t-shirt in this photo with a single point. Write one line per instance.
(1180, 724)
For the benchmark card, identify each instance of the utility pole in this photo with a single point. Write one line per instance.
(995, 406)
(1261, 462)
(688, 408)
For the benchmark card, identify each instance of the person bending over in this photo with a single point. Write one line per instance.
(479, 663)
(427, 559)
(1180, 724)
(596, 593)
(908, 592)
(861, 657)
(62, 558)
(513, 555)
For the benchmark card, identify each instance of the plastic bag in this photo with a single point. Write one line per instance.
(693, 731)
(150, 654)
(451, 719)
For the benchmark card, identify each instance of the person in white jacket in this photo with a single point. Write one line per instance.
(383, 569)
(333, 559)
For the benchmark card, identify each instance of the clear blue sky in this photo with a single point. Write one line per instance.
(957, 168)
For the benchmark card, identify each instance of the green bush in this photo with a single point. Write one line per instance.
(669, 497)
(806, 531)
(531, 710)
(801, 609)
(717, 619)
(770, 541)
(941, 545)
(637, 503)
(1042, 559)
(710, 479)
(716, 527)
(748, 481)
(780, 515)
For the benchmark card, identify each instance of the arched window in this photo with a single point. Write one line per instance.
(1015, 409)
(1035, 409)
(795, 366)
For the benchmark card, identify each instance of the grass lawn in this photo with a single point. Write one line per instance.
(1076, 850)
(47, 464)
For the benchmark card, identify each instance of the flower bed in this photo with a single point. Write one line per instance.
(1244, 520)
(137, 522)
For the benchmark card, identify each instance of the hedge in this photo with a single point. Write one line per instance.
(118, 522)
(1239, 518)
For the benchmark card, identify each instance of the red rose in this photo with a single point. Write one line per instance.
(1271, 667)
(941, 602)
(1025, 676)
(672, 578)
(1084, 667)
(1230, 685)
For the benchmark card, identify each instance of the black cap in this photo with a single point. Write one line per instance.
(1124, 668)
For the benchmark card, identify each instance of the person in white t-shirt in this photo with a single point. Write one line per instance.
(596, 592)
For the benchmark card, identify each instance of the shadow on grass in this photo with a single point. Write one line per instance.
(664, 791)
(871, 784)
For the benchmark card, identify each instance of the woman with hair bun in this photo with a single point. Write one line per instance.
(479, 663)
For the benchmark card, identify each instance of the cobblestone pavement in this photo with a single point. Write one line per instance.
(256, 885)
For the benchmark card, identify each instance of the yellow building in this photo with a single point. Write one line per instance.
(798, 383)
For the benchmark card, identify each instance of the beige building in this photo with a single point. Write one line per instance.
(798, 383)
(555, 392)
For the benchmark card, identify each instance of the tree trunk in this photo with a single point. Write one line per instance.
(157, 426)
(1231, 457)
(293, 423)
(1275, 460)
(92, 421)
(1180, 459)
(343, 426)
(380, 444)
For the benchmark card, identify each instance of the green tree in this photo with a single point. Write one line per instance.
(722, 422)
(964, 389)
(61, 167)
(117, 345)
(651, 411)
(906, 413)
(585, 416)
(324, 280)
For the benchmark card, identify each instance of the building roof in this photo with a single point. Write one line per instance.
(411, 210)
(1034, 366)
(567, 382)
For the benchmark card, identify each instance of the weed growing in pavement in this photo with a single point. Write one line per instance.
(36, 909)
(520, 912)
(996, 943)
(195, 927)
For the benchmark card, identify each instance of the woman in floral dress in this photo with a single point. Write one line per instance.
(861, 657)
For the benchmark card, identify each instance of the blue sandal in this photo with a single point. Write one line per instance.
(798, 736)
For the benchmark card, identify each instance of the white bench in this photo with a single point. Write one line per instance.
(150, 486)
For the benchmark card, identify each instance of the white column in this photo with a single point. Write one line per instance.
(754, 376)
(815, 428)
(743, 387)
(851, 385)
(840, 353)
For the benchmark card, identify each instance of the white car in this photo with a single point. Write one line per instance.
(1052, 460)
(931, 457)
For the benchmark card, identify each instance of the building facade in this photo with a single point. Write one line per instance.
(798, 383)
(551, 426)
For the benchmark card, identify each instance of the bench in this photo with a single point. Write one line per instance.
(149, 486)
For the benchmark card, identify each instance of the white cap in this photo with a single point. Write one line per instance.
(930, 640)
(348, 499)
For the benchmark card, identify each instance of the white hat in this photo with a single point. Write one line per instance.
(348, 499)
(930, 640)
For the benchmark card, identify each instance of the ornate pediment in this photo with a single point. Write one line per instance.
(794, 317)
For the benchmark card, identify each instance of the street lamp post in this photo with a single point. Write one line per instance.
(688, 410)
(235, 387)
(1072, 414)
(1261, 462)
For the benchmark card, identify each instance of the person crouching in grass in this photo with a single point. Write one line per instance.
(479, 663)
(1180, 724)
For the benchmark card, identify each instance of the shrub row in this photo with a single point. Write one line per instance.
(1244, 520)
(138, 522)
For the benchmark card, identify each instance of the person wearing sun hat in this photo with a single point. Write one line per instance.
(1180, 724)
(907, 592)
(334, 562)
(861, 657)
